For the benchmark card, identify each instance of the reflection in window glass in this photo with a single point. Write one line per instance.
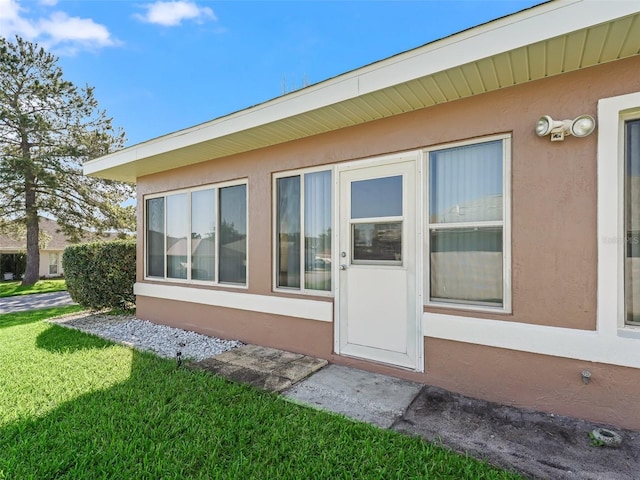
(233, 234)
(632, 221)
(466, 265)
(466, 186)
(288, 193)
(155, 237)
(307, 215)
(377, 242)
(317, 231)
(378, 197)
(465, 183)
(177, 231)
(203, 234)
(183, 229)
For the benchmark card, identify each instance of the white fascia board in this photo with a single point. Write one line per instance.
(278, 109)
(537, 24)
(528, 27)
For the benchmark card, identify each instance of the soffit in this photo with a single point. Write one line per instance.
(583, 48)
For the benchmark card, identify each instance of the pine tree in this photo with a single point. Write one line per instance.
(48, 128)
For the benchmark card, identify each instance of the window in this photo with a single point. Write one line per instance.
(155, 237)
(632, 221)
(618, 289)
(177, 227)
(53, 264)
(303, 231)
(233, 234)
(203, 235)
(198, 235)
(467, 204)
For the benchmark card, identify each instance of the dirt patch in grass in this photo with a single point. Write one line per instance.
(537, 444)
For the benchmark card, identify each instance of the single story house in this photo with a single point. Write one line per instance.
(464, 214)
(13, 247)
(53, 241)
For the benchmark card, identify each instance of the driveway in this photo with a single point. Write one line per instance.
(33, 302)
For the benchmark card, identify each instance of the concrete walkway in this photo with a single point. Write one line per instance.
(364, 396)
(536, 444)
(263, 367)
(20, 303)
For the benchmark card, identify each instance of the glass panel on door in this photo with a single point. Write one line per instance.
(377, 242)
(376, 221)
(378, 197)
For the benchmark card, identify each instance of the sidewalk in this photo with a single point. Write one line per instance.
(538, 445)
(535, 444)
(20, 303)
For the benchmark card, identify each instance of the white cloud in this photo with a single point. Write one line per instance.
(171, 14)
(63, 28)
(58, 31)
(11, 22)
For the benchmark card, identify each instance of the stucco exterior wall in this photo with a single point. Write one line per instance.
(43, 266)
(44, 263)
(553, 241)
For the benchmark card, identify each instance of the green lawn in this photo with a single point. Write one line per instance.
(10, 289)
(76, 406)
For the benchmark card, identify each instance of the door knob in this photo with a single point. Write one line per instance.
(343, 267)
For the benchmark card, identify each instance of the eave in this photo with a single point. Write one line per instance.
(550, 39)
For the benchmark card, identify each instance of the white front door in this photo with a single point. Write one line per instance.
(377, 314)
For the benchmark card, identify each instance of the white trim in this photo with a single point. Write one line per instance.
(208, 186)
(590, 346)
(419, 216)
(404, 156)
(506, 228)
(247, 254)
(337, 258)
(612, 113)
(289, 307)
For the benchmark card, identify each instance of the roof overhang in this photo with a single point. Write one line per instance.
(553, 38)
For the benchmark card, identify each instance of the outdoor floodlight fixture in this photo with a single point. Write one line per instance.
(579, 127)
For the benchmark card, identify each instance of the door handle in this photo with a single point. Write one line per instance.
(343, 267)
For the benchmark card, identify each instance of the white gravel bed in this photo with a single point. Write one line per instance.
(144, 335)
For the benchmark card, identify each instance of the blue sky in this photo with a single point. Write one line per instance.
(158, 67)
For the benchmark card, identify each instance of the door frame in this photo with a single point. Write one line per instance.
(417, 157)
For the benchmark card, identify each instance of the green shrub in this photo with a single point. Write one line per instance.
(101, 274)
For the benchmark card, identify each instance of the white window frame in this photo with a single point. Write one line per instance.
(505, 223)
(293, 173)
(56, 264)
(612, 342)
(189, 191)
(613, 112)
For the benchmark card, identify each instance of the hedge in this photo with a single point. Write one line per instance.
(101, 274)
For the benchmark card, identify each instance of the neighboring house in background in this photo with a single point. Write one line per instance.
(406, 218)
(50, 254)
(11, 249)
